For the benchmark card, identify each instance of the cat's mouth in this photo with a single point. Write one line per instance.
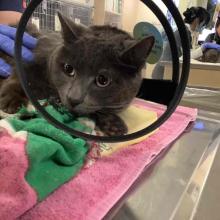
(83, 109)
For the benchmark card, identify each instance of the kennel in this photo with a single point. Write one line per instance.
(45, 16)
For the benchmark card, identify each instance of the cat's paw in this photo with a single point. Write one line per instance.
(10, 103)
(111, 124)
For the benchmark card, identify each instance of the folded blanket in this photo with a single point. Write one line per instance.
(54, 157)
(106, 176)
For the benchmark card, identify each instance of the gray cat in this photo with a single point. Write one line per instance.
(210, 56)
(93, 71)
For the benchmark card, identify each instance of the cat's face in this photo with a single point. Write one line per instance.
(97, 68)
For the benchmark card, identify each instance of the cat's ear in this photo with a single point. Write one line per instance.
(137, 51)
(70, 30)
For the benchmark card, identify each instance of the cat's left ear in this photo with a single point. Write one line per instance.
(70, 30)
(137, 51)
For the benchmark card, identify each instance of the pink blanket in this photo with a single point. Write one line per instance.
(93, 192)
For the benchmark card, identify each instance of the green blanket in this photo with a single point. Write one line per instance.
(54, 156)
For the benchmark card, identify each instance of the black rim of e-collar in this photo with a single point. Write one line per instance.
(173, 103)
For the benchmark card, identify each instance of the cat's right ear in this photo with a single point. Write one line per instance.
(137, 52)
(70, 30)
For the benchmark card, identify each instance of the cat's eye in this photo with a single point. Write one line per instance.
(102, 80)
(68, 69)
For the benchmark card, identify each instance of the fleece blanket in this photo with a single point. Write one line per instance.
(34, 162)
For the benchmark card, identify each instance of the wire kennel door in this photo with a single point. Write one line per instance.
(45, 16)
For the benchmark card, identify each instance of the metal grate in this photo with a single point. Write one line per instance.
(45, 16)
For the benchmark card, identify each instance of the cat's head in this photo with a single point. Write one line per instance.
(210, 56)
(97, 68)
